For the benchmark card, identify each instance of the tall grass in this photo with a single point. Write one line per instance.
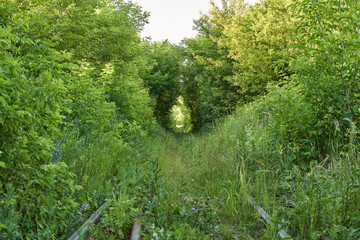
(94, 158)
(104, 166)
(261, 151)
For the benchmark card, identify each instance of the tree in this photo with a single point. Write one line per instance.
(258, 39)
(207, 92)
(163, 80)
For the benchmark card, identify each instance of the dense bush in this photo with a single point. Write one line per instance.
(238, 52)
(46, 197)
(63, 92)
(258, 39)
(328, 69)
(163, 79)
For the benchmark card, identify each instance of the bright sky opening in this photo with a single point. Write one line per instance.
(173, 20)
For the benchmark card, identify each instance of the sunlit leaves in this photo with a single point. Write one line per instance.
(242, 48)
(52, 54)
(257, 38)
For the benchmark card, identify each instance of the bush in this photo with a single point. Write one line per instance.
(289, 122)
(328, 69)
(42, 205)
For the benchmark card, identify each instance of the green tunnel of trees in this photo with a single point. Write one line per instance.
(79, 87)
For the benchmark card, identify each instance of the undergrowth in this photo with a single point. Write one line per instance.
(261, 152)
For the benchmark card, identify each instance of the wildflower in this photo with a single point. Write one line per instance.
(56, 154)
(84, 206)
(172, 205)
(184, 211)
(139, 189)
(201, 198)
(193, 209)
(159, 204)
(214, 213)
(208, 198)
(185, 199)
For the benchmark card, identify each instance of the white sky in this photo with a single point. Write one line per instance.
(173, 19)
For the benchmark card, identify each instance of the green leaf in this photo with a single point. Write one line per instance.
(5, 43)
(2, 164)
(3, 226)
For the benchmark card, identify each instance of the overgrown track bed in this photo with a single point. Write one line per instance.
(267, 218)
(84, 233)
(94, 219)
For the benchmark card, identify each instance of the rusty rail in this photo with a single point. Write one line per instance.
(267, 218)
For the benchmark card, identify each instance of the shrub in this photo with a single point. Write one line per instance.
(42, 205)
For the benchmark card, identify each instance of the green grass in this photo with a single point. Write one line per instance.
(244, 155)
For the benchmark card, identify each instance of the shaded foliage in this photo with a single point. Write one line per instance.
(163, 79)
(207, 93)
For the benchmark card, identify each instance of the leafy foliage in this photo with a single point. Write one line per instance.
(57, 78)
(117, 220)
(258, 39)
(163, 79)
(239, 51)
(132, 100)
(329, 68)
(29, 88)
(207, 93)
(46, 196)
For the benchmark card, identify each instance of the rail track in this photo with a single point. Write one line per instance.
(83, 231)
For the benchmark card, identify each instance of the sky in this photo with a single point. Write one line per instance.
(173, 19)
